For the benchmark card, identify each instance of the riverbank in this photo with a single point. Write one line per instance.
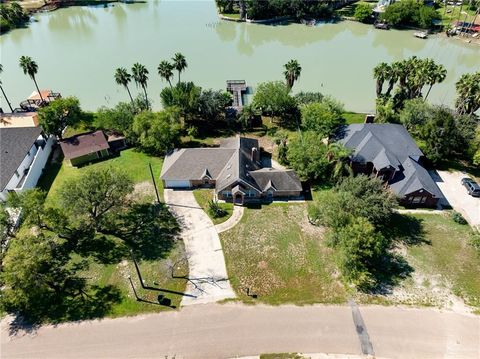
(33, 6)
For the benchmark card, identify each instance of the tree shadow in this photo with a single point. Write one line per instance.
(91, 304)
(103, 249)
(148, 229)
(405, 229)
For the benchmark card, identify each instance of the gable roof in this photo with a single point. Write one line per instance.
(382, 144)
(195, 163)
(413, 178)
(84, 144)
(14, 146)
(279, 180)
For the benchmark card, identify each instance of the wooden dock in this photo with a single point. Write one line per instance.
(237, 88)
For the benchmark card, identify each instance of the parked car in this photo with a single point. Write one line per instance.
(472, 187)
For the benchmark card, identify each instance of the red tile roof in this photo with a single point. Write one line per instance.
(84, 144)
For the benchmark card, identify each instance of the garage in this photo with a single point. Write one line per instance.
(177, 184)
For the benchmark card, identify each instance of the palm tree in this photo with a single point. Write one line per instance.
(179, 63)
(165, 70)
(30, 68)
(381, 73)
(292, 72)
(337, 155)
(436, 75)
(122, 77)
(140, 75)
(468, 93)
(3, 92)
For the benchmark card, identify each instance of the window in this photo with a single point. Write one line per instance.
(227, 194)
(17, 174)
(417, 200)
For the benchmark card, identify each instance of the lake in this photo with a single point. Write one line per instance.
(79, 48)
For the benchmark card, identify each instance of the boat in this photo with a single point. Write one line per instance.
(381, 26)
(421, 34)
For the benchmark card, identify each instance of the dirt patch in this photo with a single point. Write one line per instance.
(143, 191)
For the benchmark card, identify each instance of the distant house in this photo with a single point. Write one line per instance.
(390, 153)
(234, 169)
(24, 151)
(89, 147)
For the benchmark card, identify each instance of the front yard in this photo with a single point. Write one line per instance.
(276, 254)
(204, 196)
(113, 265)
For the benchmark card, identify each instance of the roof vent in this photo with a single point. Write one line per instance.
(228, 176)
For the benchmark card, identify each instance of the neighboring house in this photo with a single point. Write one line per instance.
(233, 169)
(91, 146)
(24, 152)
(18, 119)
(390, 153)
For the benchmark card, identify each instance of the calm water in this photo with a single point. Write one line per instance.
(77, 50)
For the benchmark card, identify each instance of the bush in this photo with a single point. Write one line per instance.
(458, 218)
(215, 210)
(363, 13)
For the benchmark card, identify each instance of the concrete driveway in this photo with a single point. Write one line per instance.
(456, 194)
(208, 280)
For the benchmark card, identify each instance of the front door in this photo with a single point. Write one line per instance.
(238, 198)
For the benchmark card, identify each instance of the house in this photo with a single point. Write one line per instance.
(91, 146)
(24, 151)
(235, 171)
(390, 153)
(18, 119)
(34, 101)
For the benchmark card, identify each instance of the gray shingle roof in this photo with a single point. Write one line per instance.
(14, 146)
(390, 145)
(229, 164)
(413, 178)
(279, 180)
(368, 140)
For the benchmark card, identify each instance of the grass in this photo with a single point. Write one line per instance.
(235, 16)
(450, 256)
(278, 256)
(454, 15)
(354, 117)
(135, 163)
(155, 273)
(203, 196)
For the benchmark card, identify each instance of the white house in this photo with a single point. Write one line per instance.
(24, 152)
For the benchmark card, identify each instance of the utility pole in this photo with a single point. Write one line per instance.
(137, 269)
(154, 183)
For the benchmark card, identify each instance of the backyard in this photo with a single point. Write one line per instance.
(276, 254)
(109, 263)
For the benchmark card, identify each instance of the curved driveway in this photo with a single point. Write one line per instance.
(230, 330)
(208, 280)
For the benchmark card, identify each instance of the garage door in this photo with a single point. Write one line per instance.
(177, 184)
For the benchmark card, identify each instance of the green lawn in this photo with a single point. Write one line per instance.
(453, 14)
(155, 273)
(279, 256)
(354, 117)
(203, 196)
(449, 256)
(135, 163)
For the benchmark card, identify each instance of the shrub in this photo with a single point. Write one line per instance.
(215, 210)
(458, 218)
(363, 13)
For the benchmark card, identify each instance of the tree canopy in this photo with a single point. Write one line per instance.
(273, 99)
(117, 119)
(410, 12)
(59, 114)
(157, 132)
(323, 117)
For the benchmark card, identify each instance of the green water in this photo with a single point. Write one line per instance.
(78, 48)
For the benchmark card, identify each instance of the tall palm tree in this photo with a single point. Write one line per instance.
(337, 155)
(292, 72)
(436, 75)
(122, 77)
(468, 93)
(3, 92)
(165, 70)
(179, 63)
(30, 68)
(381, 73)
(140, 75)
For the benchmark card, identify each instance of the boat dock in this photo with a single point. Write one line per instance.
(237, 88)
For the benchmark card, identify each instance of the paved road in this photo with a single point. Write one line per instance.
(230, 330)
(453, 190)
(206, 262)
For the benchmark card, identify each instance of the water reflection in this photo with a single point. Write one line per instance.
(81, 22)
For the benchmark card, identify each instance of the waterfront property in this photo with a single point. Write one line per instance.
(24, 151)
(234, 169)
(89, 147)
(37, 100)
(390, 153)
(237, 88)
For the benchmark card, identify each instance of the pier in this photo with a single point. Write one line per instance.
(237, 88)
